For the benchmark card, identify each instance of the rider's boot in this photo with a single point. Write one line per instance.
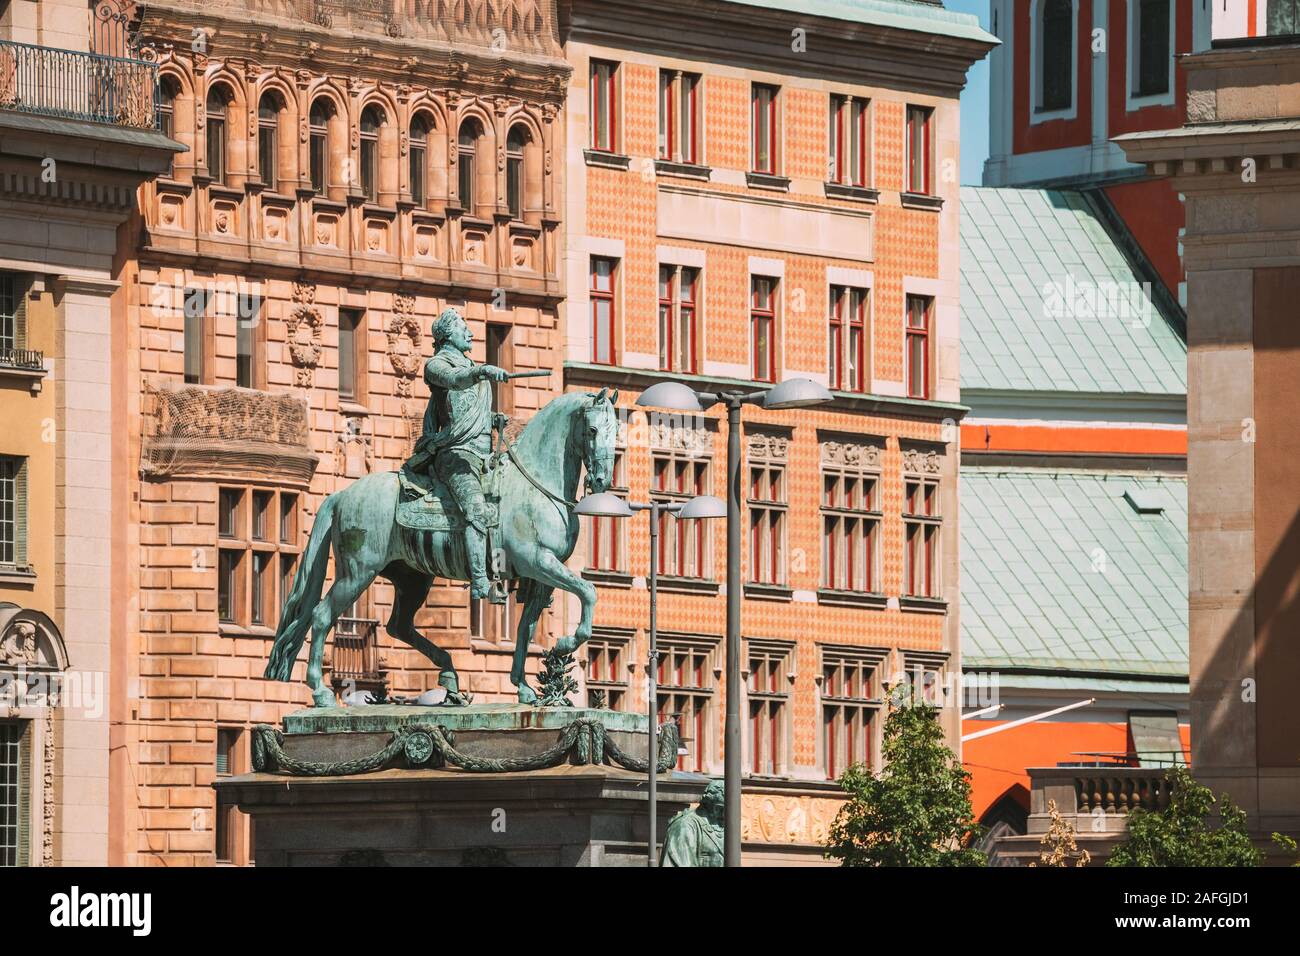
(476, 550)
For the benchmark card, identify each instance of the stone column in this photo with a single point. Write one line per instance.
(83, 587)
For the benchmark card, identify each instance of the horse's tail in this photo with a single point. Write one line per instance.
(305, 594)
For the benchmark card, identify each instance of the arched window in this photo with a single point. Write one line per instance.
(168, 90)
(467, 147)
(268, 128)
(322, 111)
(372, 118)
(1055, 56)
(219, 98)
(518, 139)
(419, 148)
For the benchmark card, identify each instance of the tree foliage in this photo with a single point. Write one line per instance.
(1059, 846)
(1183, 834)
(917, 811)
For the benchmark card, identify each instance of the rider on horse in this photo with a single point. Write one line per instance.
(457, 436)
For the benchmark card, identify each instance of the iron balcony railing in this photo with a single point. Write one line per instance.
(21, 358)
(76, 85)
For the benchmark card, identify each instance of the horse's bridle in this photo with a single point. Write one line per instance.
(587, 460)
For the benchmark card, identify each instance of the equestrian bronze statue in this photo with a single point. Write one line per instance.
(457, 509)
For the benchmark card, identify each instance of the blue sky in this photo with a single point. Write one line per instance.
(974, 103)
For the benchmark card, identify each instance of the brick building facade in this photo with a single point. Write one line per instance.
(347, 177)
(755, 192)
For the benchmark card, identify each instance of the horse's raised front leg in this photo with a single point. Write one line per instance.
(535, 597)
(550, 570)
(341, 596)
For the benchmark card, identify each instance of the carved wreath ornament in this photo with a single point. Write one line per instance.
(404, 343)
(304, 326)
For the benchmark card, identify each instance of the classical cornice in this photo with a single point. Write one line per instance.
(233, 32)
(761, 38)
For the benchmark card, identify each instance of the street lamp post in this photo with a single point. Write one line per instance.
(792, 393)
(607, 505)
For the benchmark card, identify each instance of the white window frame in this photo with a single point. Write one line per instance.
(1036, 66)
(1132, 101)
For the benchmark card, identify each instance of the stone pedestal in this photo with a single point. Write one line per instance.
(566, 815)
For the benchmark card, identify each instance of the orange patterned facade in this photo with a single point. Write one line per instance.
(310, 287)
(817, 657)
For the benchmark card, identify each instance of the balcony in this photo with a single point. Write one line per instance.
(1095, 799)
(69, 84)
(27, 365)
(356, 664)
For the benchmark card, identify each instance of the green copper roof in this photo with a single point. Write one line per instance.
(921, 15)
(1060, 572)
(1049, 303)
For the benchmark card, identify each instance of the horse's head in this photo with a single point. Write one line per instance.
(596, 437)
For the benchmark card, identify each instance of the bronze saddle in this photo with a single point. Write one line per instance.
(426, 504)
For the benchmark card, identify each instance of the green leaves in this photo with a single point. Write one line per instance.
(1181, 834)
(917, 812)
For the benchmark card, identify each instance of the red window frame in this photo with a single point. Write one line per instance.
(920, 310)
(667, 114)
(845, 135)
(763, 118)
(690, 117)
(762, 319)
(604, 124)
(678, 313)
(920, 120)
(847, 338)
(922, 523)
(598, 296)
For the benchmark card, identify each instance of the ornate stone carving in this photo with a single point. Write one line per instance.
(921, 461)
(303, 333)
(404, 338)
(670, 433)
(768, 445)
(851, 454)
(778, 818)
(201, 431)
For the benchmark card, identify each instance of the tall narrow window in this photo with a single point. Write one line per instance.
(195, 306)
(515, 170)
(371, 119)
(921, 523)
(1055, 56)
(847, 351)
(501, 354)
(767, 505)
(167, 92)
(218, 99)
(466, 150)
(678, 116)
(763, 120)
(352, 344)
(919, 313)
(247, 325)
(849, 141)
(762, 328)
(849, 705)
(419, 157)
(602, 310)
(607, 670)
(13, 316)
(227, 821)
(851, 520)
(257, 552)
(607, 543)
(676, 476)
(268, 123)
(603, 105)
(678, 317)
(322, 111)
(1152, 58)
(15, 792)
(920, 119)
(13, 513)
(769, 695)
(685, 669)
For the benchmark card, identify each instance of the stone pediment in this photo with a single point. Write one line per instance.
(201, 431)
(29, 641)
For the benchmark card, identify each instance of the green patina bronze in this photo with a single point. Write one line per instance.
(533, 526)
(488, 717)
(694, 836)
